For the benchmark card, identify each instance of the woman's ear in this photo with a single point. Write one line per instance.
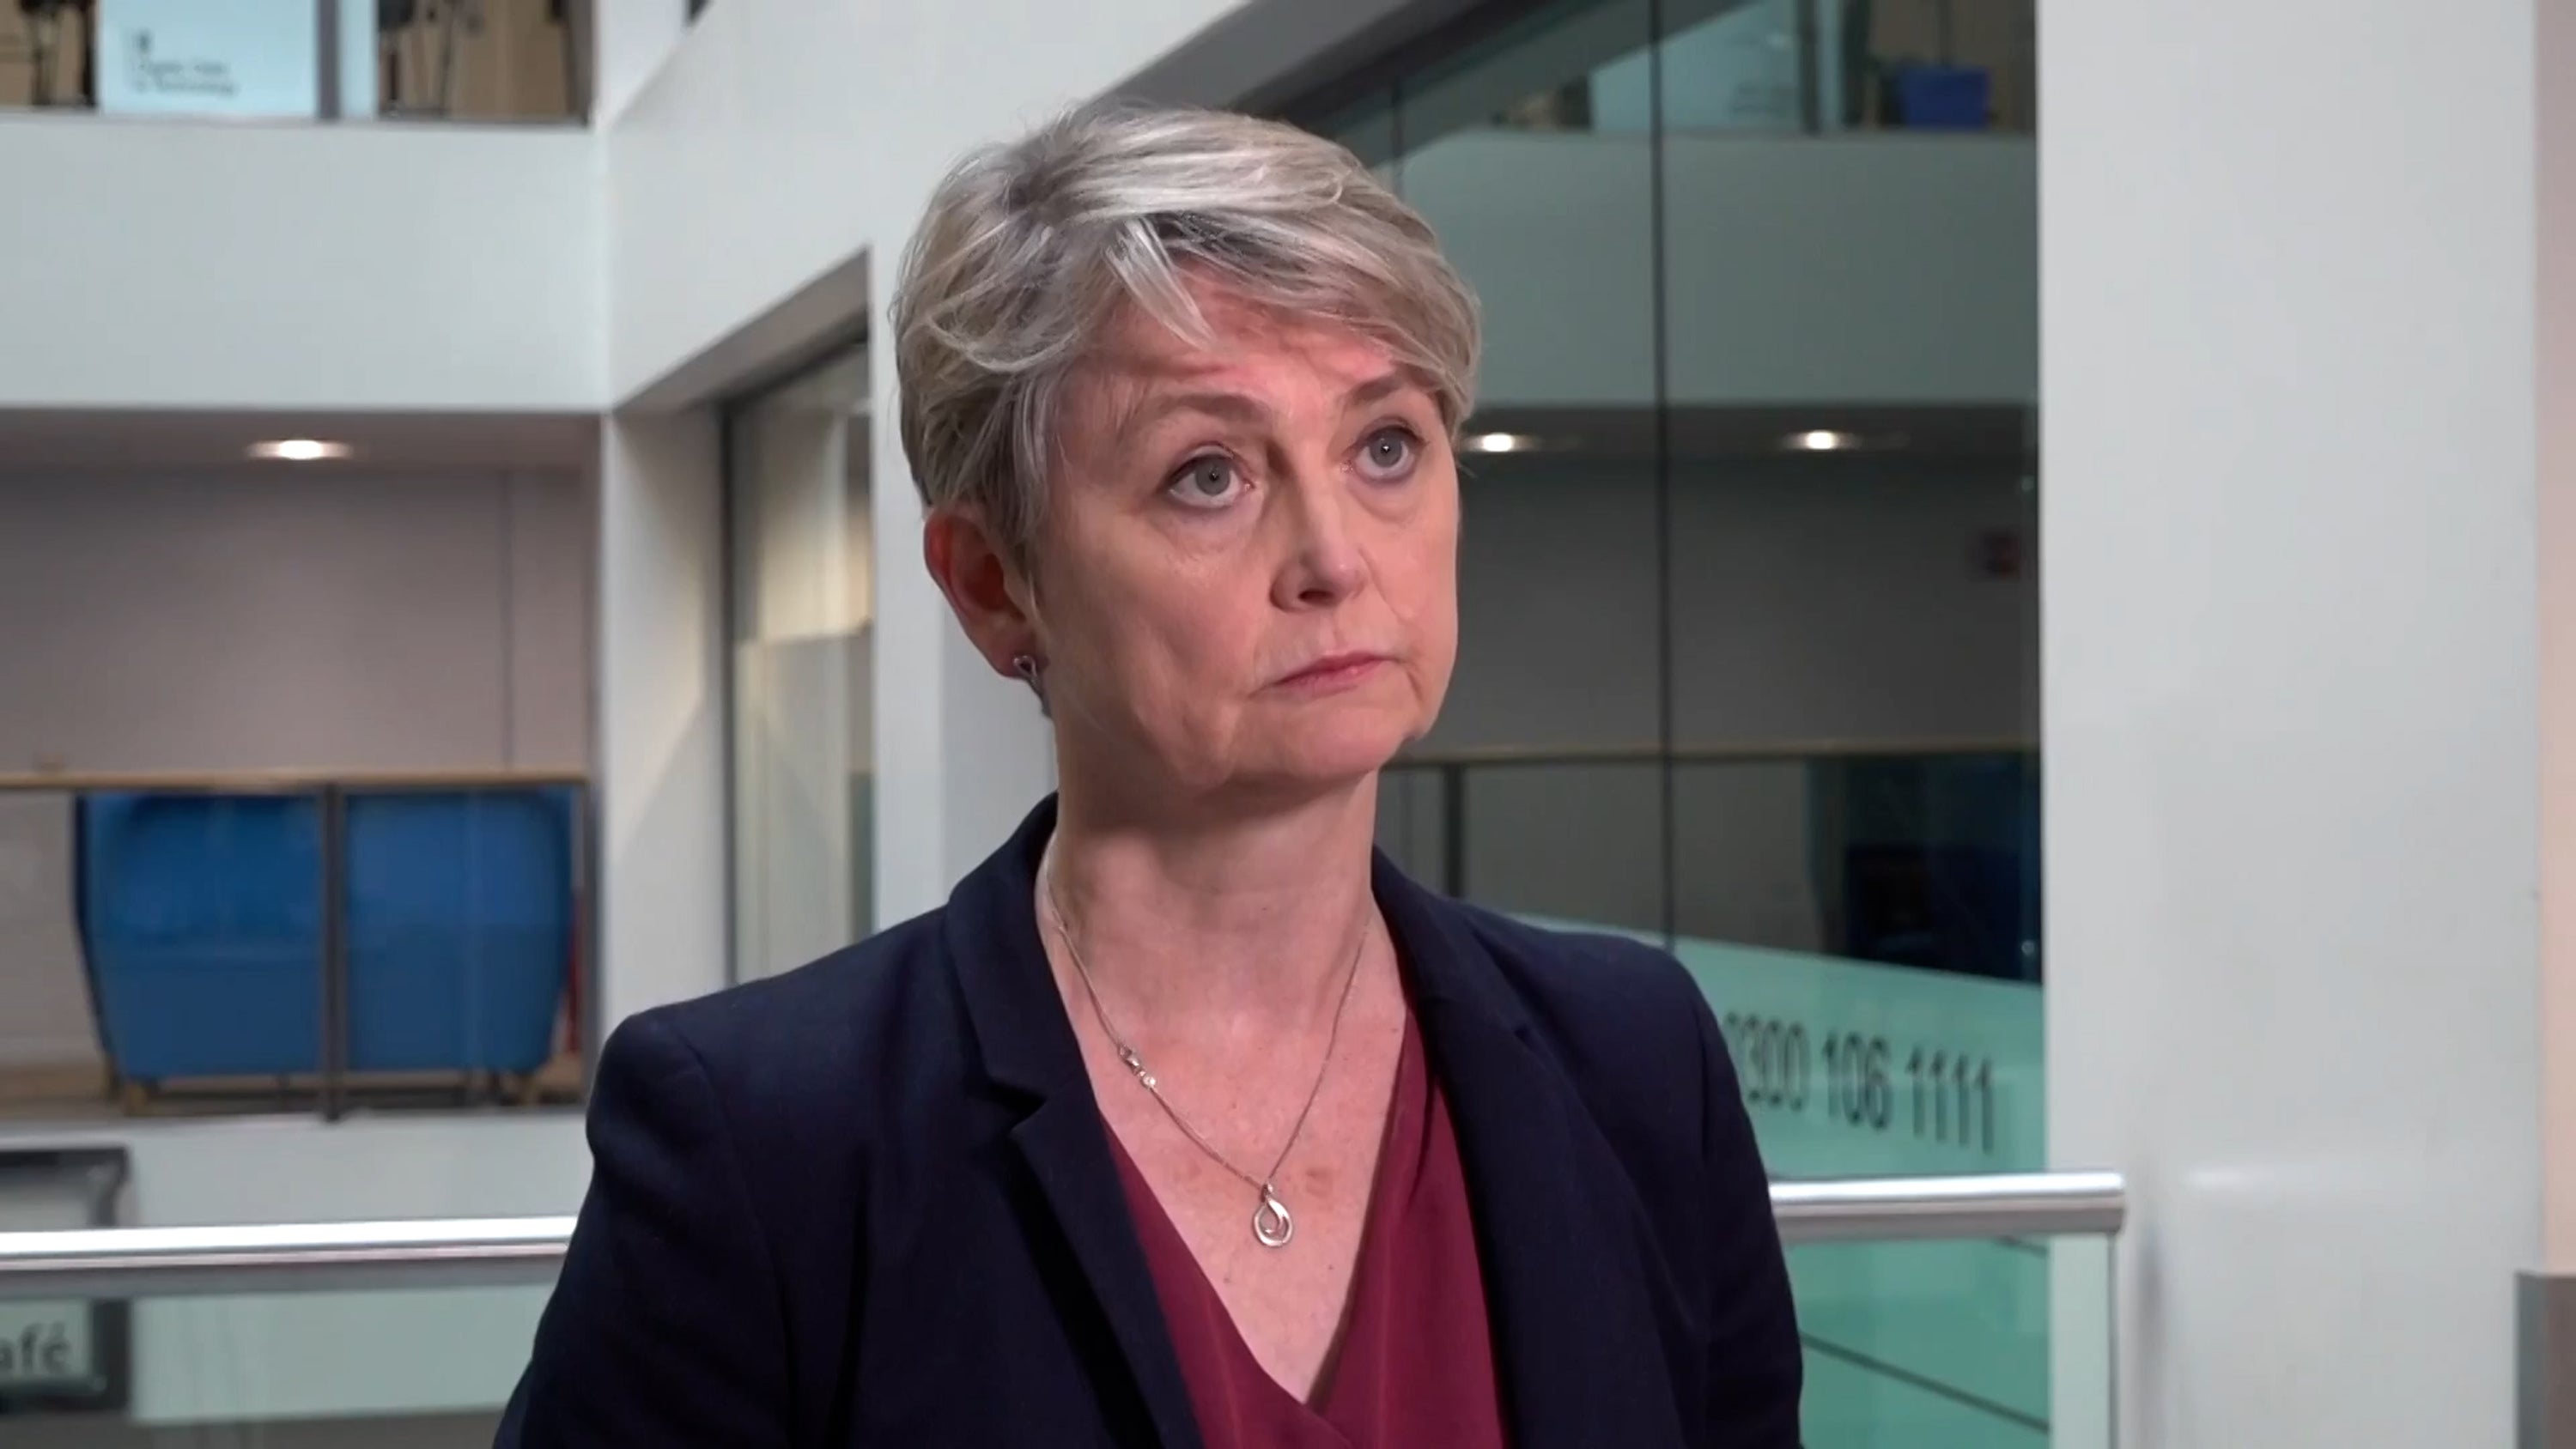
(985, 589)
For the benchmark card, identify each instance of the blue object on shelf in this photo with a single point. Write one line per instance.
(460, 928)
(1938, 97)
(201, 915)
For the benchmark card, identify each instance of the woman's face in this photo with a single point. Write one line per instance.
(1248, 575)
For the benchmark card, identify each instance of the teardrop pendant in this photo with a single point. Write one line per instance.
(1270, 1221)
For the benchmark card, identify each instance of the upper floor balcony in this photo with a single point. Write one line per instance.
(526, 61)
(336, 206)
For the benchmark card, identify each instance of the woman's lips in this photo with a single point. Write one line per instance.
(1334, 671)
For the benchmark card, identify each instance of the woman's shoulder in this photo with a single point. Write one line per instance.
(1623, 1019)
(1586, 979)
(823, 1041)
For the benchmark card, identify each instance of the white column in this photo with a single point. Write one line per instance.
(631, 39)
(660, 770)
(2555, 320)
(2291, 687)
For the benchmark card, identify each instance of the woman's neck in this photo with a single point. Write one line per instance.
(1243, 914)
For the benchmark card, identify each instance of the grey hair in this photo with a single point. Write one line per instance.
(1031, 250)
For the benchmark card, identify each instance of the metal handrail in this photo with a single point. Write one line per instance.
(493, 1252)
(281, 1258)
(1738, 752)
(1916, 1209)
(281, 782)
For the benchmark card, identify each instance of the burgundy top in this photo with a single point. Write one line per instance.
(1416, 1363)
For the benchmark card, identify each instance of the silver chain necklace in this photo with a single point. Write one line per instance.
(1272, 1225)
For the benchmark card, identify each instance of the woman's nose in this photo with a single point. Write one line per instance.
(1324, 563)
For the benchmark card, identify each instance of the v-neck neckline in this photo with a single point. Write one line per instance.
(1404, 1108)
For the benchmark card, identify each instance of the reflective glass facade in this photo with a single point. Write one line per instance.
(1749, 590)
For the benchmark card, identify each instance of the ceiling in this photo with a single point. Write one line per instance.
(1982, 436)
(56, 441)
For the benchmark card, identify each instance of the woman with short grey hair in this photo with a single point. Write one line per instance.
(1189, 1120)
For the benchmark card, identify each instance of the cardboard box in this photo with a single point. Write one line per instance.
(18, 55)
(508, 59)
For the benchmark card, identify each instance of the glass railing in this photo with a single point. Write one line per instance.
(1709, 69)
(1915, 1338)
(257, 944)
(1864, 920)
(470, 60)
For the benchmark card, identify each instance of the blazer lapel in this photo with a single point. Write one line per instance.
(1575, 1345)
(1029, 1048)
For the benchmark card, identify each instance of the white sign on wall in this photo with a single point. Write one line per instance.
(66, 1356)
(189, 57)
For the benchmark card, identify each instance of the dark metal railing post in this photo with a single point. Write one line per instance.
(335, 952)
(1811, 66)
(1453, 830)
(326, 49)
(590, 1026)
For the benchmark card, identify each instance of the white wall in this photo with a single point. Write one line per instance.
(281, 621)
(2287, 346)
(822, 128)
(2555, 319)
(783, 137)
(274, 266)
(660, 777)
(634, 38)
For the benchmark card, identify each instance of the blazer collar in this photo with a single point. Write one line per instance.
(1028, 1048)
(1574, 1341)
(1576, 1351)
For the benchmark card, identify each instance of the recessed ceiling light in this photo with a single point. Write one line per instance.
(1500, 442)
(300, 450)
(1821, 440)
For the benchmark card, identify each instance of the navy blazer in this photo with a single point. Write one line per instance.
(871, 1202)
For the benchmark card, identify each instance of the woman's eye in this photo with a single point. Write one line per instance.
(1208, 482)
(1389, 452)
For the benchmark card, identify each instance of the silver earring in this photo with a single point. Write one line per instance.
(1029, 669)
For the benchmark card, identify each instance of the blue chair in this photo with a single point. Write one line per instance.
(201, 916)
(460, 928)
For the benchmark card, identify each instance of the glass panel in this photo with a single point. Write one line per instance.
(803, 595)
(1728, 65)
(1368, 128)
(1558, 697)
(1551, 223)
(1976, 1344)
(1574, 842)
(414, 1369)
(1748, 584)
(1413, 821)
(1985, 1344)
(1850, 341)
(485, 60)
